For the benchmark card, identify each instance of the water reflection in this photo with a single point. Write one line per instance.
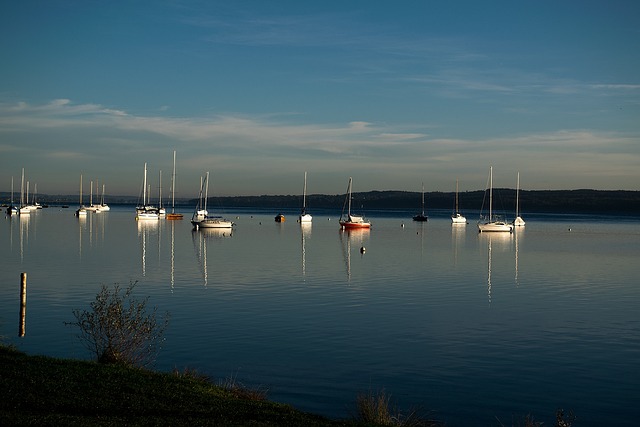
(199, 238)
(501, 241)
(517, 235)
(355, 238)
(145, 229)
(305, 233)
(458, 232)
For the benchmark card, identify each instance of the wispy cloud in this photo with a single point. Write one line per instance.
(386, 156)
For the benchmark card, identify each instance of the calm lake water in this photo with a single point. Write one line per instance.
(474, 328)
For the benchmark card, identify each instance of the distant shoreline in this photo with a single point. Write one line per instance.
(622, 202)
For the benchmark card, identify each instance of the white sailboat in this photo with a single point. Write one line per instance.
(204, 220)
(351, 221)
(518, 222)
(82, 211)
(24, 209)
(161, 210)
(304, 216)
(492, 223)
(92, 207)
(145, 211)
(173, 215)
(12, 210)
(457, 217)
(103, 205)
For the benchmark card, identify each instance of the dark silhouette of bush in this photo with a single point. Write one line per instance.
(118, 329)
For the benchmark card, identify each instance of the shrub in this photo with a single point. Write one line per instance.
(118, 329)
(374, 409)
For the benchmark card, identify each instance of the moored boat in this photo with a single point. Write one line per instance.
(492, 222)
(351, 221)
(201, 217)
(421, 216)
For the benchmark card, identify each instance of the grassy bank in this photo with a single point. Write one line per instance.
(37, 390)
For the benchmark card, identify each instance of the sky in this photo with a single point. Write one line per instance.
(391, 93)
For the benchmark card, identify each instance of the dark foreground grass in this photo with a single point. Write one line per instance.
(38, 390)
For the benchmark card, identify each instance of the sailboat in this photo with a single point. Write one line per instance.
(103, 205)
(12, 210)
(492, 223)
(173, 215)
(24, 209)
(351, 221)
(200, 220)
(82, 211)
(457, 217)
(92, 207)
(161, 210)
(145, 211)
(518, 222)
(421, 216)
(304, 216)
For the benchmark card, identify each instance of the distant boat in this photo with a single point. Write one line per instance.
(12, 210)
(350, 221)
(24, 209)
(518, 222)
(103, 205)
(92, 207)
(145, 211)
(279, 218)
(304, 215)
(492, 223)
(173, 215)
(421, 216)
(81, 211)
(457, 217)
(200, 220)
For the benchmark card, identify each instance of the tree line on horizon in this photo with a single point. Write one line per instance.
(542, 201)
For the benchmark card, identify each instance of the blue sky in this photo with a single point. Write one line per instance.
(393, 93)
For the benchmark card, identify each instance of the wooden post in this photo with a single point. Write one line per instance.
(23, 304)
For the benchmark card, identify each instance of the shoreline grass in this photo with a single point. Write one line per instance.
(40, 390)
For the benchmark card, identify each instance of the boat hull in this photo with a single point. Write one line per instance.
(495, 227)
(458, 219)
(348, 225)
(518, 222)
(305, 218)
(212, 223)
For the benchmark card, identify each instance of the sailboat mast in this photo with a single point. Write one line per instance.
(80, 190)
(456, 196)
(304, 193)
(423, 199)
(349, 209)
(518, 195)
(160, 190)
(490, 193)
(173, 184)
(22, 190)
(144, 186)
(206, 190)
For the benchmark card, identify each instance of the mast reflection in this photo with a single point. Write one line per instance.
(357, 236)
(199, 238)
(500, 240)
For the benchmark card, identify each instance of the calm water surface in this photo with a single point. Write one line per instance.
(474, 328)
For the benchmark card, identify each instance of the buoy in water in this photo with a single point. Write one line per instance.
(362, 249)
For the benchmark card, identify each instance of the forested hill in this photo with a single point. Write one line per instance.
(569, 201)
(539, 201)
